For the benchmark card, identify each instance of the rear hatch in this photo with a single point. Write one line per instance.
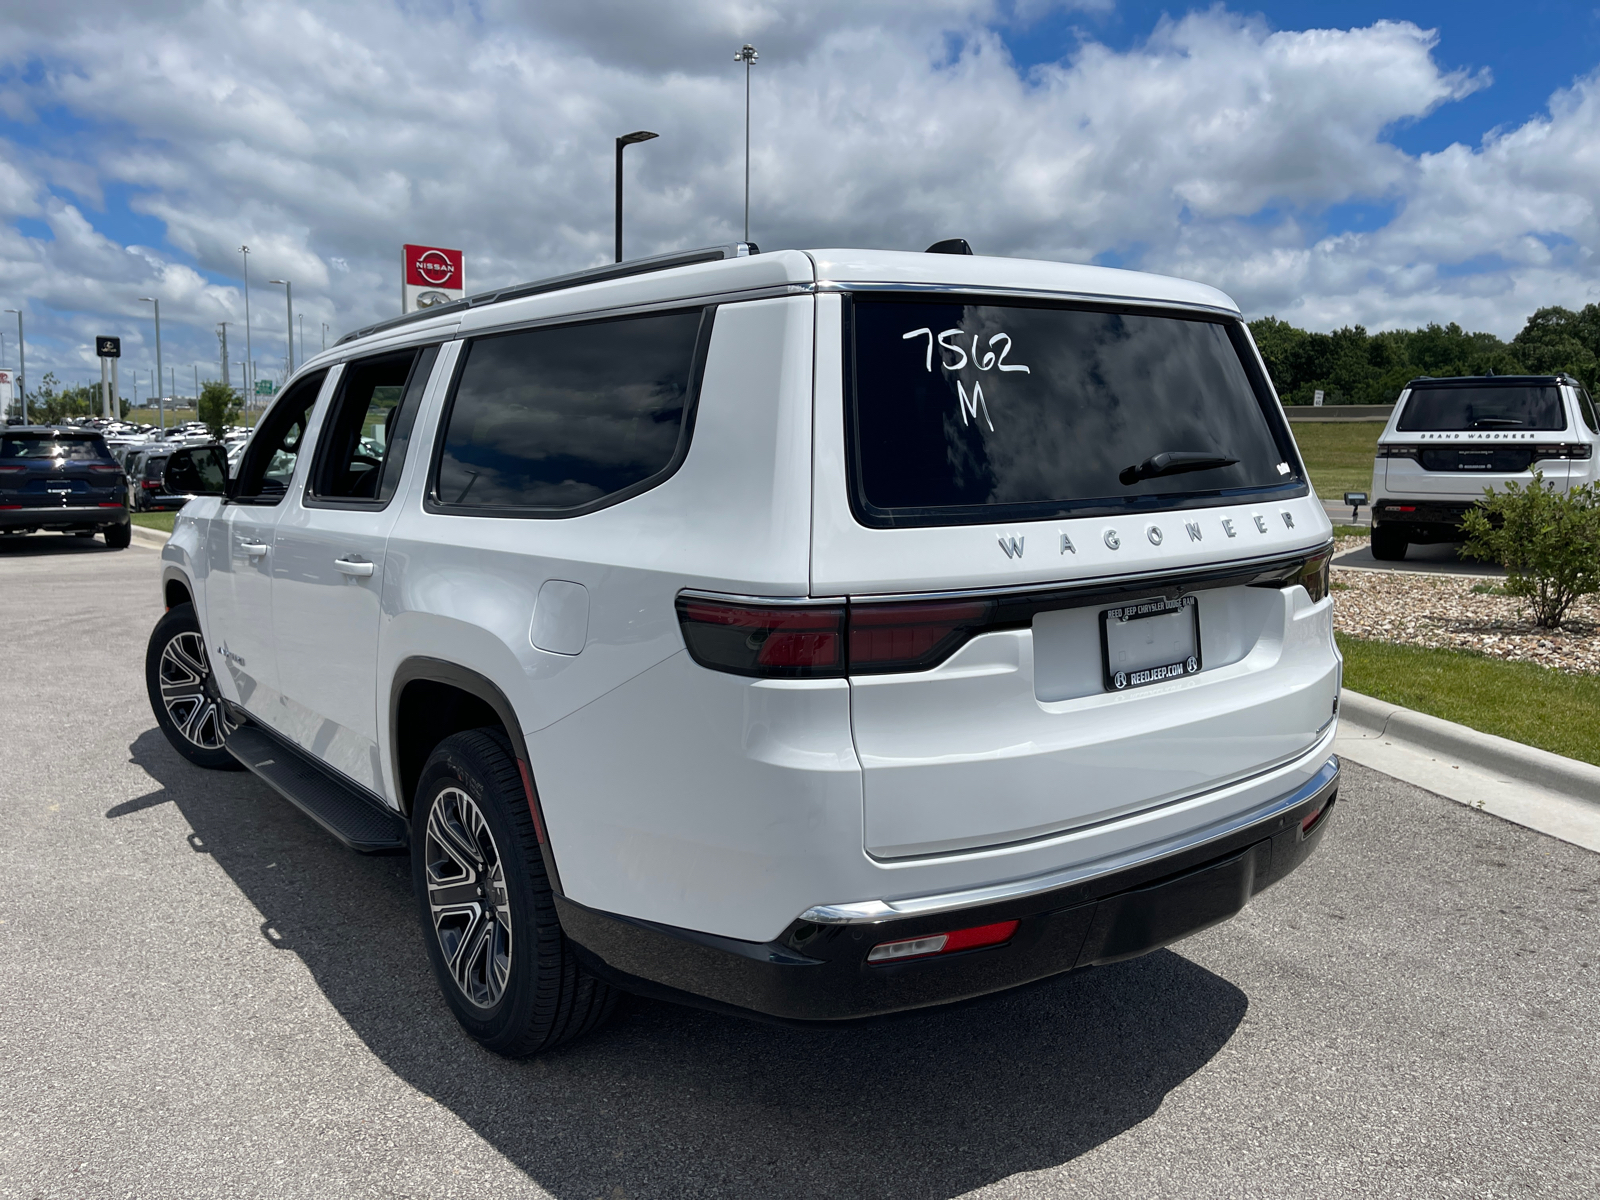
(1454, 438)
(57, 469)
(1086, 573)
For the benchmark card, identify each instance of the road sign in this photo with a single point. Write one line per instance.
(1316, 398)
(108, 347)
(265, 387)
(431, 276)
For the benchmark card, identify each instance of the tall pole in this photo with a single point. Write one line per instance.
(627, 139)
(302, 335)
(197, 387)
(245, 250)
(747, 55)
(324, 335)
(161, 401)
(227, 375)
(22, 365)
(288, 299)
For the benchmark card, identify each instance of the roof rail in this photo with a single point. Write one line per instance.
(556, 283)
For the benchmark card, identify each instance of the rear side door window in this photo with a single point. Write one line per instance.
(368, 430)
(565, 419)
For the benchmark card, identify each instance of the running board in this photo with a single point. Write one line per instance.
(358, 819)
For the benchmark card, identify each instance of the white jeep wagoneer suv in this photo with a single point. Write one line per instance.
(810, 635)
(1448, 440)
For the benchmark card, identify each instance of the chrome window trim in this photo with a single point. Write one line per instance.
(871, 912)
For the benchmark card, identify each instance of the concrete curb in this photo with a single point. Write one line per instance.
(1579, 780)
(153, 538)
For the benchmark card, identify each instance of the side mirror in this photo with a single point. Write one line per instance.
(197, 471)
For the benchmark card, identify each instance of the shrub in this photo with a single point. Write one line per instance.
(1547, 540)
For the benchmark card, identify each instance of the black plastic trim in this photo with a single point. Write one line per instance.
(873, 517)
(437, 670)
(818, 974)
(691, 405)
(352, 813)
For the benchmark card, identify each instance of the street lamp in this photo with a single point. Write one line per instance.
(245, 250)
(747, 55)
(627, 139)
(302, 334)
(161, 401)
(324, 335)
(22, 365)
(288, 329)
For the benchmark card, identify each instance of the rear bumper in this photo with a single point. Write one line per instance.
(1423, 520)
(819, 973)
(63, 517)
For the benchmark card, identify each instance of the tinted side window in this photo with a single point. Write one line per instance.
(275, 447)
(1586, 407)
(562, 418)
(365, 437)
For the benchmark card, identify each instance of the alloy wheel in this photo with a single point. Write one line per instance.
(467, 898)
(189, 694)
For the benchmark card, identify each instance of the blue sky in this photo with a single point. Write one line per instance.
(1304, 157)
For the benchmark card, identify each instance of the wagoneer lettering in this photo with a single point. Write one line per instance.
(642, 609)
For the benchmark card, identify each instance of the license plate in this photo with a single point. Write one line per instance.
(1150, 641)
(58, 487)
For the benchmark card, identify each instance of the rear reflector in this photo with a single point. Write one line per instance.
(943, 943)
(1313, 819)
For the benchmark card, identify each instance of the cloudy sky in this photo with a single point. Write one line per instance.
(1384, 163)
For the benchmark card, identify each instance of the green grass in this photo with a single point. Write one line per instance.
(1351, 530)
(155, 520)
(1534, 705)
(176, 416)
(1338, 454)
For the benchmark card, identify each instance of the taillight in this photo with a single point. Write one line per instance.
(105, 468)
(789, 641)
(809, 641)
(1564, 450)
(1412, 452)
(1315, 576)
(12, 470)
(909, 637)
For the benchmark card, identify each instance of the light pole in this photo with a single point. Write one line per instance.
(227, 375)
(245, 250)
(302, 335)
(627, 139)
(161, 401)
(324, 335)
(22, 365)
(747, 55)
(196, 388)
(288, 329)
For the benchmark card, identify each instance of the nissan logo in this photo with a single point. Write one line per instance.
(435, 267)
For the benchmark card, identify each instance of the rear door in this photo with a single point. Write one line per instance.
(328, 562)
(239, 554)
(992, 490)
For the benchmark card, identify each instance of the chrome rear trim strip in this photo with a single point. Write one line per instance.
(869, 912)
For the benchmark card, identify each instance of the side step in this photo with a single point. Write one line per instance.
(356, 817)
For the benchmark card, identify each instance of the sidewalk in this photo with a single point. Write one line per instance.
(1533, 788)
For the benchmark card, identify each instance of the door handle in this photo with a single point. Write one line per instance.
(349, 566)
(254, 549)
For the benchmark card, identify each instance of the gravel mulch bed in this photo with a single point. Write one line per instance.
(1416, 609)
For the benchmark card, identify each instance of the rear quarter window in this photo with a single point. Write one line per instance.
(564, 419)
(973, 412)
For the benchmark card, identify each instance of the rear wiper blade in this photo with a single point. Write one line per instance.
(1482, 421)
(1172, 462)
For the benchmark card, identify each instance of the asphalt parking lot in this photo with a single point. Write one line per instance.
(202, 995)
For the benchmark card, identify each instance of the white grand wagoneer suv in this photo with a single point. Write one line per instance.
(808, 635)
(1448, 440)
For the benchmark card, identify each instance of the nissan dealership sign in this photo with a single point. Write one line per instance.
(432, 276)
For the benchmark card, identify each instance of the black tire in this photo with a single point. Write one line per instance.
(1388, 545)
(118, 536)
(183, 691)
(505, 968)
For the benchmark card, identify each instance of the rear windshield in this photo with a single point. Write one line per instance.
(49, 445)
(1447, 409)
(965, 413)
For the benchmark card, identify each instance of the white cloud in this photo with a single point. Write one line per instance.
(324, 136)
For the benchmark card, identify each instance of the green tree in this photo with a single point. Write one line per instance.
(219, 406)
(1557, 339)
